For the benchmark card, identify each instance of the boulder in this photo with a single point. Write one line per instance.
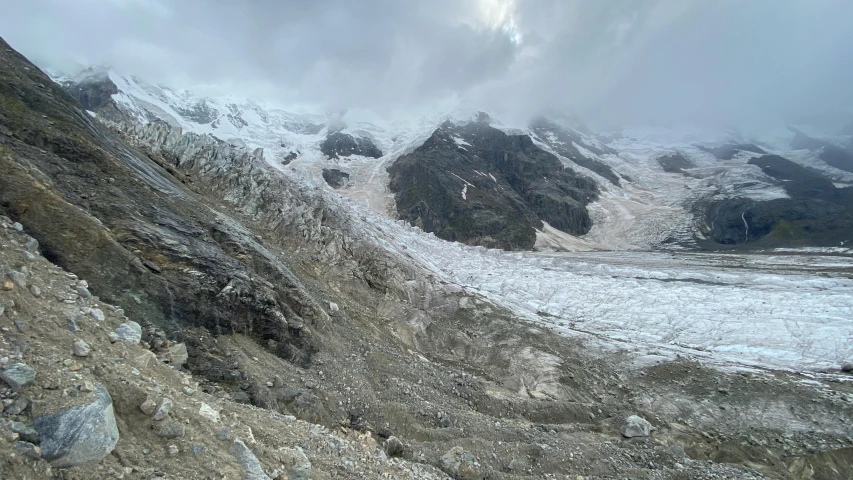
(81, 348)
(393, 447)
(18, 278)
(208, 412)
(252, 469)
(636, 426)
(79, 435)
(461, 465)
(296, 463)
(177, 354)
(130, 332)
(18, 375)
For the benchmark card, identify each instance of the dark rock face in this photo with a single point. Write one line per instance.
(564, 142)
(291, 156)
(339, 144)
(729, 150)
(92, 200)
(335, 178)
(477, 185)
(833, 155)
(675, 163)
(93, 92)
(817, 213)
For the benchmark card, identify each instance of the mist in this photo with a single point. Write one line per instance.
(722, 63)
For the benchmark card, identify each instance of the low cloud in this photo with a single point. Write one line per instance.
(636, 62)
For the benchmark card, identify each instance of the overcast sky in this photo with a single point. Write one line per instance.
(621, 61)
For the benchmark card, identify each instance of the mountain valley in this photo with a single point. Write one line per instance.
(437, 296)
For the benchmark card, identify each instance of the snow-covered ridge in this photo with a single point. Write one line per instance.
(649, 207)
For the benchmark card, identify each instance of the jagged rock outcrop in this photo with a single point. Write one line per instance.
(675, 163)
(335, 178)
(565, 142)
(338, 144)
(93, 91)
(475, 184)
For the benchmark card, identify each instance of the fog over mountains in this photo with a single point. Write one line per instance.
(663, 62)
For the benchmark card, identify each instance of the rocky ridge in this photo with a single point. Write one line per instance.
(475, 184)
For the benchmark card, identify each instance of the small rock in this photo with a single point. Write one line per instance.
(81, 348)
(171, 430)
(98, 315)
(25, 432)
(223, 434)
(27, 449)
(18, 375)
(71, 323)
(18, 278)
(113, 336)
(83, 292)
(188, 391)
(393, 447)
(172, 450)
(461, 464)
(29, 257)
(21, 325)
(296, 463)
(443, 420)
(208, 412)
(32, 245)
(198, 450)
(17, 227)
(35, 291)
(8, 285)
(511, 465)
(636, 426)
(152, 266)
(86, 387)
(80, 435)
(847, 368)
(163, 409)
(178, 354)
(148, 407)
(19, 405)
(252, 469)
(129, 332)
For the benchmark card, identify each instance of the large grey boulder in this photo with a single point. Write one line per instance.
(79, 435)
(636, 426)
(18, 375)
(130, 332)
(252, 469)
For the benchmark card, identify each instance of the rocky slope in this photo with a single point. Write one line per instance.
(293, 301)
(816, 212)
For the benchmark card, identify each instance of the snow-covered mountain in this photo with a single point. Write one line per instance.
(643, 199)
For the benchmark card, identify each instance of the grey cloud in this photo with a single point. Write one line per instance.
(628, 61)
